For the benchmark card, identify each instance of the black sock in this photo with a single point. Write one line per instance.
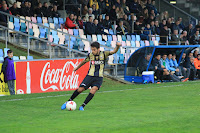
(88, 98)
(74, 95)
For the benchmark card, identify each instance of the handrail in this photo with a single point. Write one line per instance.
(179, 9)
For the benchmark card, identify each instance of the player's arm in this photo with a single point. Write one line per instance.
(79, 65)
(116, 48)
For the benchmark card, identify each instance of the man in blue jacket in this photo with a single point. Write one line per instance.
(8, 70)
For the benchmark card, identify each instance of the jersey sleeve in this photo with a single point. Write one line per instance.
(87, 58)
(107, 53)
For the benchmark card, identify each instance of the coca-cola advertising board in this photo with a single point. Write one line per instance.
(49, 75)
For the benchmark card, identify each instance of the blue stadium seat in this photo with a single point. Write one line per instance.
(108, 44)
(133, 38)
(23, 27)
(71, 44)
(17, 26)
(121, 59)
(55, 39)
(89, 37)
(39, 20)
(50, 20)
(111, 32)
(16, 20)
(75, 45)
(76, 33)
(55, 20)
(123, 38)
(99, 37)
(11, 19)
(29, 57)
(158, 38)
(61, 21)
(138, 38)
(132, 43)
(42, 33)
(47, 30)
(81, 45)
(73, 39)
(1, 59)
(31, 32)
(15, 58)
(54, 32)
(1, 53)
(129, 37)
(109, 37)
(142, 44)
(116, 58)
(151, 43)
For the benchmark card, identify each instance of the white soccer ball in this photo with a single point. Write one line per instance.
(71, 106)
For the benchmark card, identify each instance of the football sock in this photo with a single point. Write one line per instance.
(74, 95)
(88, 98)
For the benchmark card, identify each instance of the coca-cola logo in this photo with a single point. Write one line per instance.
(60, 78)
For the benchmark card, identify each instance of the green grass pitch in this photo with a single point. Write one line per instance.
(116, 108)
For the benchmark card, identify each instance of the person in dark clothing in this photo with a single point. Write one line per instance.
(161, 25)
(3, 18)
(164, 33)
(38, 10)
(157, 28)
(98, 28)
(80, 22)
(195, 54)
(106, 23)
(193, 70)
(112, 14)
(137, 27)
(8, 70)
(55, 12)
(14, 10)
(195, 39)
(90, 27)
(121, 29)
(175, 26)
(144, 64)
(45, 10)
(190, 31)
(185, 66)
(70, 22)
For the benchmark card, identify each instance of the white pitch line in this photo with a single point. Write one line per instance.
(87, 93)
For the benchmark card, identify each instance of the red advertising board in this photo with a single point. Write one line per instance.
(49, 75)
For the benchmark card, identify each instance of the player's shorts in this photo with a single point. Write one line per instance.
(90, 81)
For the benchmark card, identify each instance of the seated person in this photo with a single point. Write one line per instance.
(184, 65)
(197, 65)
(90, 27)
(183, 38)
(69, 24)
(175, 38)
(121, 29)
(195, 39)
(144, 64)
(193, 70)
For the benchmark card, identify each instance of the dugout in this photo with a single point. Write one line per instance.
(132, 68)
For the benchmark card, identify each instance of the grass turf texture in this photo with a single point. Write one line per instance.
(152, 108)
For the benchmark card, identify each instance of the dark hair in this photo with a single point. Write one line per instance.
(9, 51)
(95, 44)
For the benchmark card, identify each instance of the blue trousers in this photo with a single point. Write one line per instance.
(11, 86)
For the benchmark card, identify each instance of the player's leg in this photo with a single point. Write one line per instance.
(76, 93)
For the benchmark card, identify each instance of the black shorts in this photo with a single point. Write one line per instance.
(90, 81)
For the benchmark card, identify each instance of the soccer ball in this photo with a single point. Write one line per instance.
(71, 105)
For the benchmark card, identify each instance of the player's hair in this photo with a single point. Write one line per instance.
(95, 44)
(9, 51)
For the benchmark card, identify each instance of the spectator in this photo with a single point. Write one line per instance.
(38, 10)
(100, 20)
(193, 70)
(90, 27)
(134, 7)
(153, 13)
(164, 35)
(185, 67)
(98, 29)
(175, 38)
(190, 31)
(197, 27)
(120, 13)
(25, 11)
(95, 11)
(80, 22)
(175, 26)
(102, 6)
(55, 12)
(165, 15)
(106, 23)
(125, 7)
(157, 28)
(112, 13)
(181, 25)
(126, 23)
(45, 10)
(31, 11)
(74, 7)
(121, 30)
(14, 10)
(169, 23)
(8, 70)
(94, 2)
(85, 10)
(151, 18)
(3, 18)
(153, 28)
(69, 24)
(145, 15)
(137, 28)
(117, 3)
(197, 65)
(195, 39)
(108, 5)
(196, 52)
(183, 38)
(131, 22)
(147, 32)
(161, 25)
(89, 14)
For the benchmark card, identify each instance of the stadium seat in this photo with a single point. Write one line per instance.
(151, 43)
(99, 37)
(83, 36)
(61, 21)
(15, 58)
(123, 38)
(29, 25)
(133, 44)
(128, 43)
(50, 20)
(10, 26)
(23, 27)
(73, 39)
(16, 20)
(70, 31)
(50, 38)
(55, 20)
(126, 57)
(89, 37)
(147, 43)
(110, 59)
(153, 38)
(34, 19)
(123, 43)
(44, 20)
(29, 57)
(76, 32)
(1, 53)
(155, 43)
(119, 38)
(42, 33)
(1, 59)
(111, 32)
(113, 44)
(28, 18)
(34, 26)
(81, 45)
(142, 44)
(114, 37)
(61, 39)
(51, 25)
(22, 57)
(121, 59)
(39, 20)
(54, 32)
(133, 38)
(104, 37)
(122, 50)
(94, 38)
(109, 37)
(106, 31)
(116, 58)
(17, 26)
(55, 39)
(137, 44)
(87, 46)
(158, 38)
(36, 32)
(138, 38)
(128, 38)
(81, 32)
(31, 32)
(108, 44)
(59, 33)
(21, 19)
(65, 30)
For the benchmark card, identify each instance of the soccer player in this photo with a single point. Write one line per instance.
(94, 78)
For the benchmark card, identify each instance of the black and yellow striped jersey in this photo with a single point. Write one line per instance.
(97, 63)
